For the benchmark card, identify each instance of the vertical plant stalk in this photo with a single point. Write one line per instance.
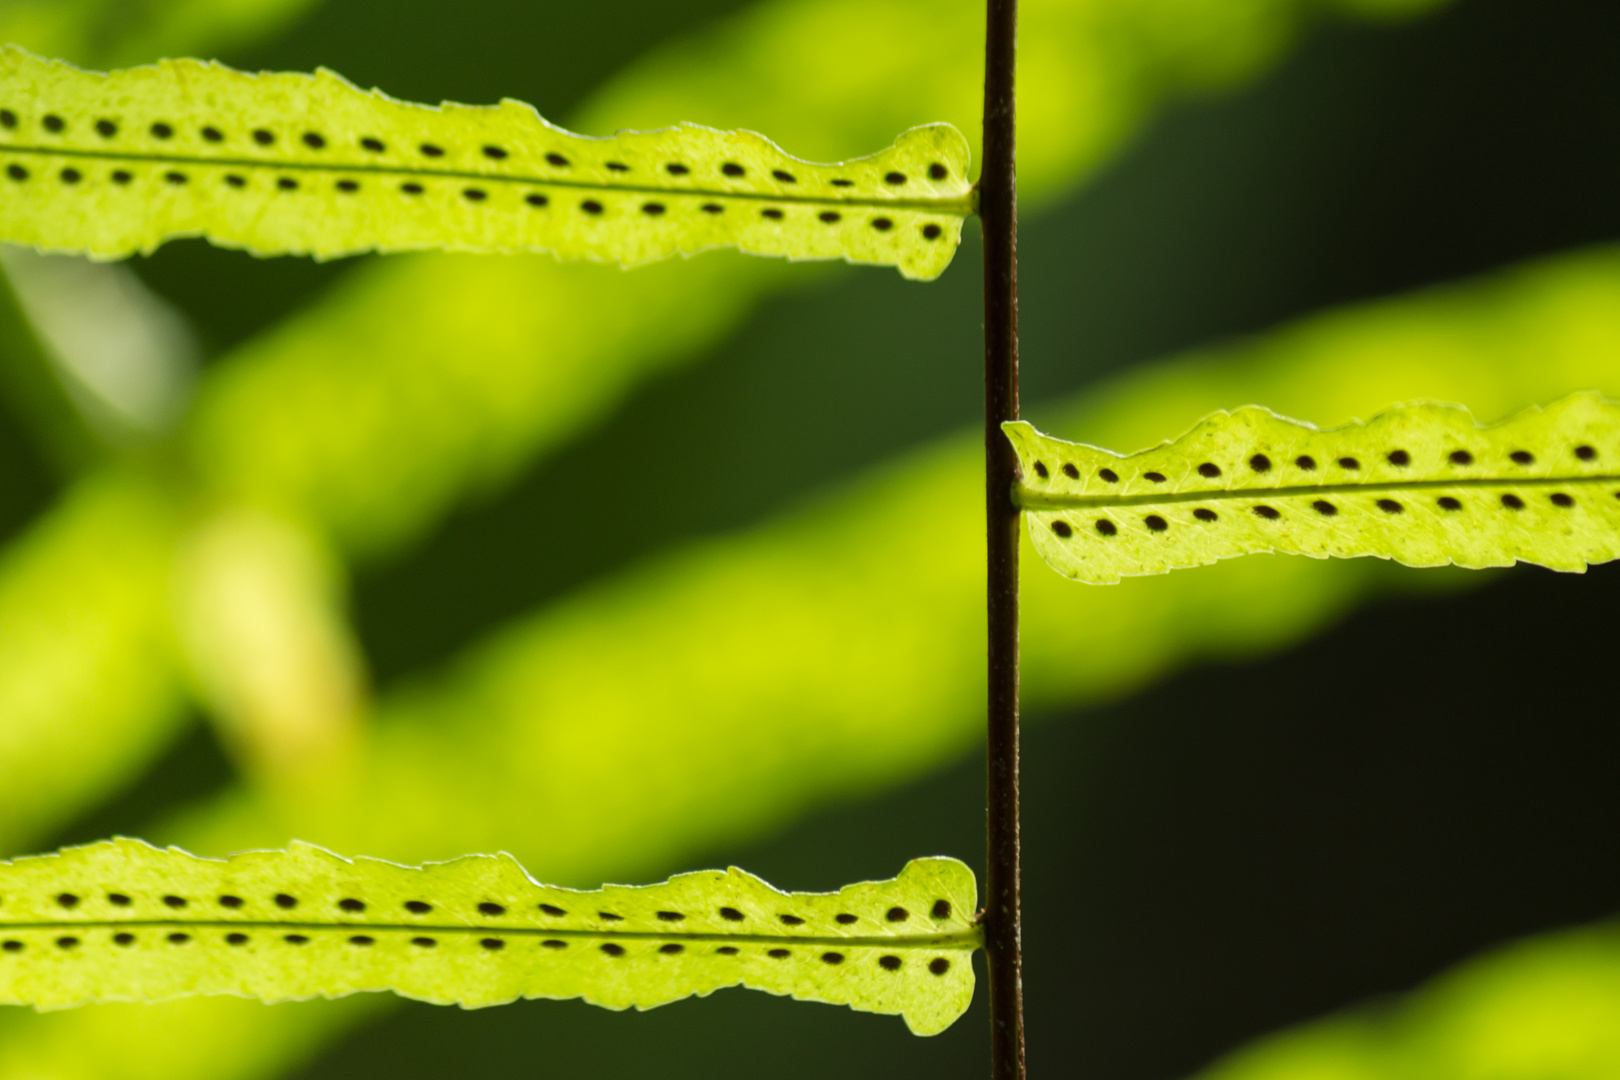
(998, 213)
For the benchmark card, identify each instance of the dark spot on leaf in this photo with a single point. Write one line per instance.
(374, 145)
(1448, 503)
(1585, 453)
(162, 131)
(1260, 463)
(285, 902)
(263, 137)
(845, 918)
(591, 206)
(941, 909)
(1560, 499)
(939, 965)
(671, 916)
(1512, 501)
(488, 908)
(1061, 528)
(784, 176)
(1156, 477)
(731, 168)
(1155, 523)
(731, 913)
(897, 914)
(175, 178)
(894, 178)
(296, 939)
(235, 181)
(418, 907)
(213, 134)
(1460, 457)
(727, 950)
(473, 194)
(16, 172)
(1107, 474)
(362, 940)
(1325, 508)
(613, 950)
(175, 901)
(609, 916)
(232, 902)
(1305, 462)
(8, 118)
(236, 939)
(552, 909)
(553, 943)
(1040, 470)
(348, 186)
(1389, 506)
(54, 124)
(652, 209)
(618, 166)
(431, 150)
(68, 900)
(287, 183)
(773, 213)
(1267, 512)
(125, 938)
(557, 160)
(12, 946)
(314, 140)
(351, 904)
(178, 938)
(671, 949)
(424, 942)
(830, 216)
(1203, 513)
(931, 231)
(536, 200)
(1106, 527)
(778, 954)
(711, 208)
(105, 128)
(492, 943)
(73, 942)
(1522, 457)
(118, 899)
(832, 958)
(495, 153)
(889, 963)
(936, 171)
(1399, 457)
(411, 189)
(791, 920)
(1071, 472)
(1209, 469)
(675, 168)
(1349, 463)
(840, 182)
(882, 224)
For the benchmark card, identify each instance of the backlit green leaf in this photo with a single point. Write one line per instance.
(1424, 485)
(124, 921)
(298, 164)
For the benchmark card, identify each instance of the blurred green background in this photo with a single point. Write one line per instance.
(634, 573)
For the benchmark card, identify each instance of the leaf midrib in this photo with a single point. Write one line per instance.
(960, 207)
(949, 940)
(1028, 499)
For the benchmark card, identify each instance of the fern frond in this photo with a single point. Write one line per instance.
(124, 921)
(109, 165)
(1422, 484)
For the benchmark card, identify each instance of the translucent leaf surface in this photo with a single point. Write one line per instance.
(296, 164)
(124, 921)
(1422, 484)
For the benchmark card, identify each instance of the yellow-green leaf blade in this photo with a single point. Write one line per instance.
(109, 165)
(124, 921)
(1422, 484)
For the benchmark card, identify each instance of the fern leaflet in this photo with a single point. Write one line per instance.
(1422, 484)
(124, 921)
(108, 165)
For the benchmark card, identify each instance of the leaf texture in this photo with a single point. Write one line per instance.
(124, 921)
(1422, 484)
(109, 165)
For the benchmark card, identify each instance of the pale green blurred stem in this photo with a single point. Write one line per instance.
(34, 390)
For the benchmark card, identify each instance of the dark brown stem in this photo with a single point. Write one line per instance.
(998, 214)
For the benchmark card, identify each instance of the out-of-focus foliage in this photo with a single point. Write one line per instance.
(1423, 484)
(111, 33)
(1542, 1009)
(121, 920)
(535, 743)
